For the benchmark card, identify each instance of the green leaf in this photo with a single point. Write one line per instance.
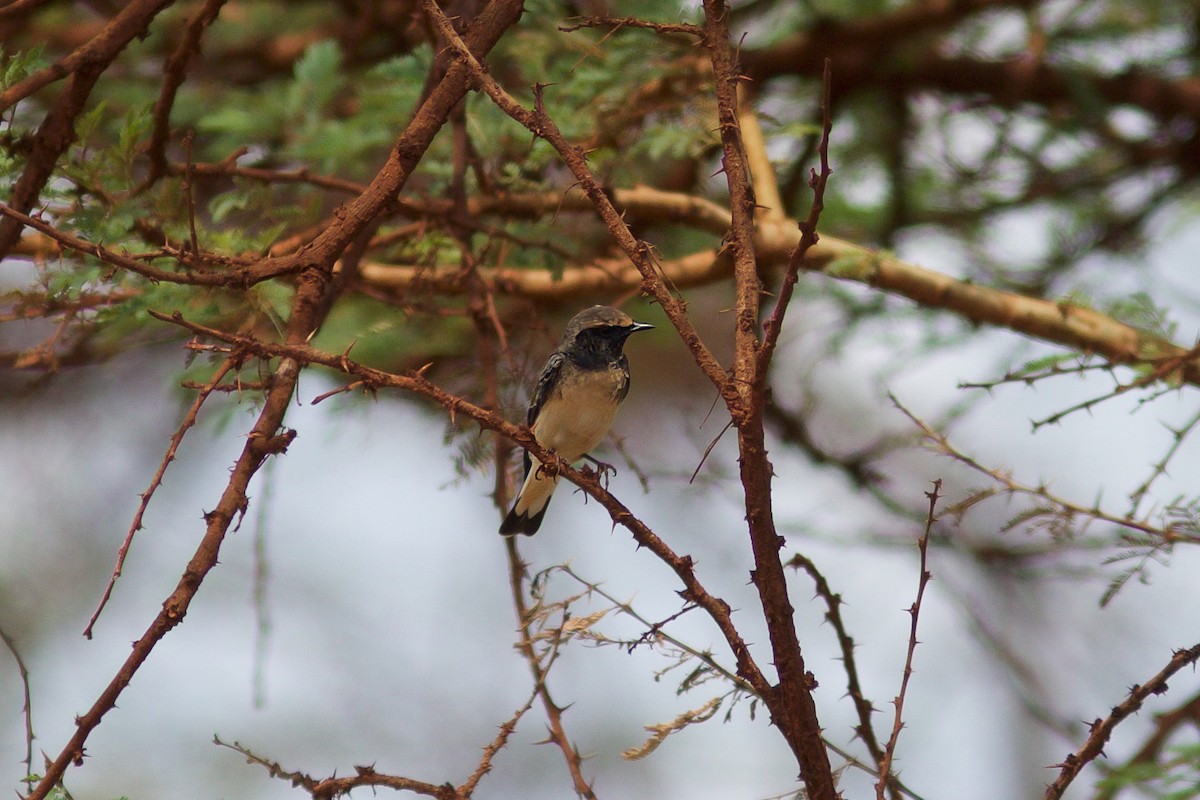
(317, 80)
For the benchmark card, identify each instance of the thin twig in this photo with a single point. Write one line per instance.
(1101, 729)
(336, 787)
(682, 565)
(540, 124)
(862, 706)
(889, 750)
(188, 192)
(26, 707)
(496, 745)
(1160, 468)
(557, 732)
(657, 629)
(1169, 533)
(189, 419)
(239, 277)
(808, 232)
(709, 449)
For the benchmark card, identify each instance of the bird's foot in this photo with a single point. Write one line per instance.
(603, 470)
(549, 471)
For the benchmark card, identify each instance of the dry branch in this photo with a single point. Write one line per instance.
(1101, 729)
(791, 703)
(1077, 327)
(416, 383)
(315, 288)
(639, 253)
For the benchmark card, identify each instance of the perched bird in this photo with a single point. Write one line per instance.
(574, 403)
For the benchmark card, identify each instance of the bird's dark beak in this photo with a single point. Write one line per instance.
(640, 326)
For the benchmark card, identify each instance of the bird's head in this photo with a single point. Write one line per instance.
(601, 328)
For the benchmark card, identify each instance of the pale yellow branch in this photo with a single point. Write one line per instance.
(1073, 326)
(762, 172)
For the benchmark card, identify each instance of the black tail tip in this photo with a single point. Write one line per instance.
(515, 523)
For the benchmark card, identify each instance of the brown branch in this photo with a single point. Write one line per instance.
(16, 7)
(557, 732)
(541, 125)
(1101, 729)
(131, 22)
(26, 706)
(57, 131)
(791, 703)
(336, 787)
(1164, 725)
(237, 276)
(229, 168)
(174, 73)
(189, 420)
(495, 746)
(416, 383)
(889, 750)
(808, 236)
(740, 239)
(862, 706)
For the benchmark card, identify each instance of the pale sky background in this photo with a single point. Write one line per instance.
(391, 626)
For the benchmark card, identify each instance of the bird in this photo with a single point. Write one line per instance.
(573, 404)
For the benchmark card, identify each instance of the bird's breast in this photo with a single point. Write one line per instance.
(580, 410)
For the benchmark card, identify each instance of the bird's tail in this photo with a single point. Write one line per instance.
(531, 503)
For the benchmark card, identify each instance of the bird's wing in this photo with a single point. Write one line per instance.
(623, 392)
(545, 385)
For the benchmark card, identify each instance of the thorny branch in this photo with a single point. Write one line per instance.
(1166, 533)
(556, 730)
(26, 705)
(328, 788)
(863, 707)
(1165, 725)
(314, 292)
(415, 382)
(639, 253)
(889, 751)
(189, 419)
(808, 233)
(1101, 729)
(332, 787)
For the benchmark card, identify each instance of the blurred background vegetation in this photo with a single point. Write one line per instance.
(1047, 149)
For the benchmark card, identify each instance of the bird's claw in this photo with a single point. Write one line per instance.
(603, 470)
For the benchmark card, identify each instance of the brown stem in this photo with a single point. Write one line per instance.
(315, 287)
(1101, 729)
(914, 612)
(57, 131)
(791, 703)
(174, 73)
(540, 124)
(189, 420)
(415, 382)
